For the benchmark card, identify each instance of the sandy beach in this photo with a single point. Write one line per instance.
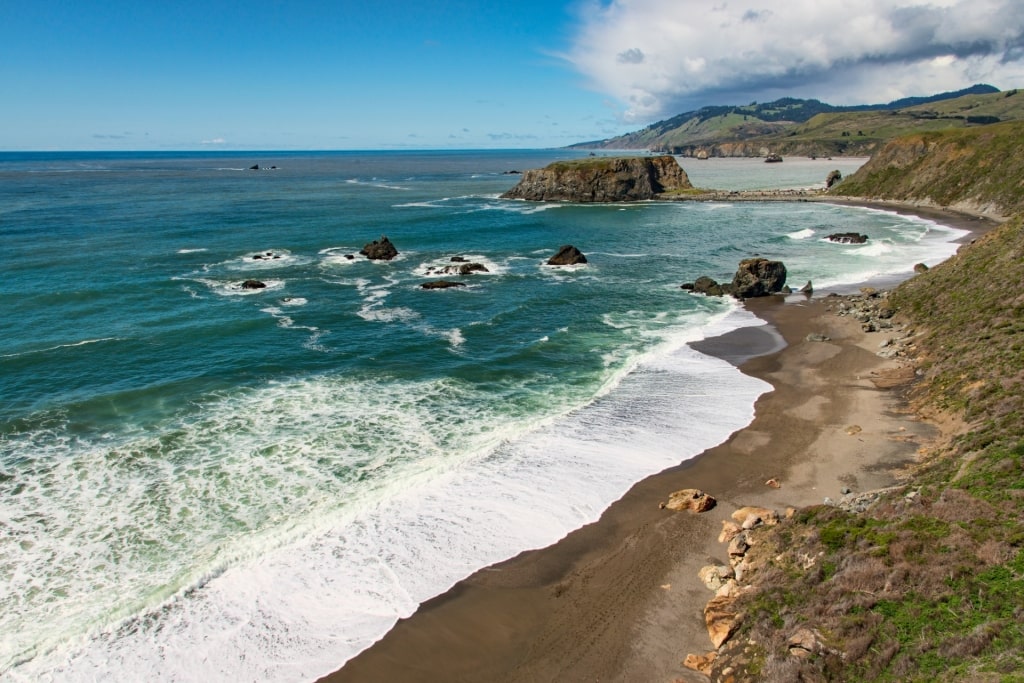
(620, 600)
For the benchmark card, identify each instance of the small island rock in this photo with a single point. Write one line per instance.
(380, 250)
(567, 255)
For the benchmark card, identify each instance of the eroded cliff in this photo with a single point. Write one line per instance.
(602, 179)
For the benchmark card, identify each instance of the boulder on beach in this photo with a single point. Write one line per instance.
(693, 500)
(379, 250)
(758, 277)
(567, 255)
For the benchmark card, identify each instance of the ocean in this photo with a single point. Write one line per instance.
(201, 482)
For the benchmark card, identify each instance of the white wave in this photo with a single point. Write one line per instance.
(266, 259)
(294, 301)
(872, 248)
(383, 185)
(69, 345)
(192, 251)
(331, 560)
(234, 287)
(801, 234)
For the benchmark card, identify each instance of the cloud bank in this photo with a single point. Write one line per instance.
(659, 58)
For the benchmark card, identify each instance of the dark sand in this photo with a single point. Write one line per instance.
(619, 599)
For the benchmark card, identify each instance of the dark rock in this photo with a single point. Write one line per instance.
(350, 257)
(602, 179)
(920, 268)
(847, 238)
(567, 255)
(379, 250)
(254, 167)
(253, 284)
(707, 286)
(442, 284)
(458, 259)
(807, 289)
(833, 178)
(462, 269)
(758, 277)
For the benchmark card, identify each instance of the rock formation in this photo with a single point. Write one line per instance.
(461, 269)
(442, 284)
(694, 500)
(602, 179)
(833, 178)
(567, 255)
(253, 284)
(380, 250)
(847, 238)
(758, 277)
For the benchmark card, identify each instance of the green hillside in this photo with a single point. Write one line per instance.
(812, 128)
(927, 583)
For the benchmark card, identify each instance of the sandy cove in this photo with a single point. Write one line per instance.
(620, 599)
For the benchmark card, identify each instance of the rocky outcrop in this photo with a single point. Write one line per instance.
(442, 284)
(847, 238)
(567, 255)
(758, 277)
(832, 178)
(602, 179)
(461, 269)
(253, 284)
(754, 277)
(693, 500)
(379, 250)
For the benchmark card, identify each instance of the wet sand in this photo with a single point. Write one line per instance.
(619, 599)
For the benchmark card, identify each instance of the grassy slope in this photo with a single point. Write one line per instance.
(840, 132)
(927, 586)
(972, 168)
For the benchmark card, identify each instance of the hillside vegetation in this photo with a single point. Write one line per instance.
(927, 584)
(812, 128)
(977, 169)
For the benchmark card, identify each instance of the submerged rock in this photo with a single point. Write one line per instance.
(847, 238)
(442, 284)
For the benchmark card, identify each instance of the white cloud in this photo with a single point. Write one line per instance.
(658, 58)
(215, 141)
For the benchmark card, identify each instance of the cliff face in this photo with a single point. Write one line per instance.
(602, 179)
(977, 170)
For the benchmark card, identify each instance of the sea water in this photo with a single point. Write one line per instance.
(203, 482)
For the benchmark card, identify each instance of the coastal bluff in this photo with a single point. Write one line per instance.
(602, 179)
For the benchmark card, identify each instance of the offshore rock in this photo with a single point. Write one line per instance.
(602, 179)
(253, 284)
(379, 250)
(442, 284)
(758, 277)
(847, 238)
(567, 255)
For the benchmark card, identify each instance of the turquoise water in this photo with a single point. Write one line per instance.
(202, 482)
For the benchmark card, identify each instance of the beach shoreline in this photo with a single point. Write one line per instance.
(619, 599)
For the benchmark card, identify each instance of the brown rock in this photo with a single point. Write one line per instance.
(765, 515)
(694, 500)
(729, 531)
(701, 663)
(721, 619)
(380, 250)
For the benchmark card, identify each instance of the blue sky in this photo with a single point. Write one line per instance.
(262, 74)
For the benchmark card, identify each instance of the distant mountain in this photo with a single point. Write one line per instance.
(811, 127)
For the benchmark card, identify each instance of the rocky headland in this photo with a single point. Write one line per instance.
(603, 179)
